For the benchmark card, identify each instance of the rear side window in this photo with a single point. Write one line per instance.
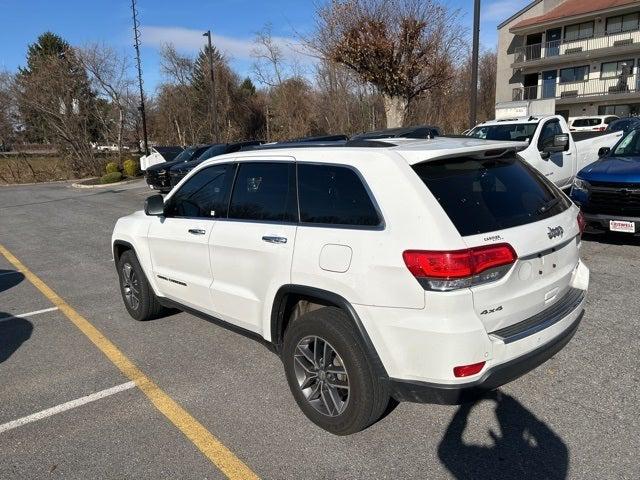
(264, 191)
(335, 195)
(204, 195)
(485, 195)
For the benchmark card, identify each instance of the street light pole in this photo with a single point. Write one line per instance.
(474, 65)
(214, 101)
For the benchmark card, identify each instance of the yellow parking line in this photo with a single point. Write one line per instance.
(209, 445)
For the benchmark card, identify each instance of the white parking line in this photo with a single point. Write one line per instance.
(63, 407)
(29, 314)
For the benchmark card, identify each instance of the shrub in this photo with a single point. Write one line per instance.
(111, 177)
(112, 167)
(130, 168)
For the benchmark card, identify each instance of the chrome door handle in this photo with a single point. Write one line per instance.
(196, 231)
(270, 239)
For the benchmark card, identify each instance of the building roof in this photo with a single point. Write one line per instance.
(526, 8)
(572, 8)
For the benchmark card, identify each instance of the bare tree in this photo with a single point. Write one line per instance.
(8, 112)
(108, 73)
(403, 47)
(269, 64)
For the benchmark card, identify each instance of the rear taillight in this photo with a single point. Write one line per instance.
(600, 129)
(582, 223)
(450, 270)
(468, 370)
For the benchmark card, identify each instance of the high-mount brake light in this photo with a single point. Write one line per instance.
(450, 270)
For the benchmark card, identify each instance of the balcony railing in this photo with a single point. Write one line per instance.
(589, 88)
(571, 47)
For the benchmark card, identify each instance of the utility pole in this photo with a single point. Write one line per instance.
(214, 101)
(267, 121)
(474, 65)
(136, 37)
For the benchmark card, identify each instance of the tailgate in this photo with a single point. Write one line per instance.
(547, 258)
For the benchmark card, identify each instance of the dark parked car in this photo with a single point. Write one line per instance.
(608, 190)
(419, 131)
(179, 171)
(623, 124)
(158, 175)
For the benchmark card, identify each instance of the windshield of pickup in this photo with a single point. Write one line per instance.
(520, 132)
(629, 146)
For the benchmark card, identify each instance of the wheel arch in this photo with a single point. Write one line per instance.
(286, 300)
(121, 246)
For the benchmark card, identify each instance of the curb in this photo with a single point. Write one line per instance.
(106, 185)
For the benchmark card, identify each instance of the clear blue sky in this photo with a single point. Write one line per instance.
(182, 22)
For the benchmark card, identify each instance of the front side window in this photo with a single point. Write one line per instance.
(615, 69)
(264, 191)
(578, 31)
(574, 74)
(202, 196)
(335, 195)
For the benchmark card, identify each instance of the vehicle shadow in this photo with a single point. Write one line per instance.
(14, 331)
(9, 279)
(611, 238)
(524, 448)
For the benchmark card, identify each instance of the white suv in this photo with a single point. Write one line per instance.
(401, 270)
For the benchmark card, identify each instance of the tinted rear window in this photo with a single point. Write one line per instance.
(485, 195)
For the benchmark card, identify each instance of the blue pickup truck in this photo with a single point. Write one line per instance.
(608, 190)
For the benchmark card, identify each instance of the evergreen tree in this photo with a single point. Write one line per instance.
(52, 67)
(247, 87)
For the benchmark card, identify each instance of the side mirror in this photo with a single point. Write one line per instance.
(154, 205)
(557, 143)
(604, 151)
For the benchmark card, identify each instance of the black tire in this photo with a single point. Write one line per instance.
(147, 306)
(368, 393)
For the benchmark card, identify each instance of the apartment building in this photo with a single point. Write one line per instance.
(584, 54)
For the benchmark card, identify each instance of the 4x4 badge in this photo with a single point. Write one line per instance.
(555, 232)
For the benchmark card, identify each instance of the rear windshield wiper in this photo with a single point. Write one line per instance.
(547, 206)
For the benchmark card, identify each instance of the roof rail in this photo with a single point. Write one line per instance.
(319, 138)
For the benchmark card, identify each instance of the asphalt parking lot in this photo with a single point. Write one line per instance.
(574, 417)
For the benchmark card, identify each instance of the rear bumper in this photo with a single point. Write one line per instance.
(601, 220)
(455, 394)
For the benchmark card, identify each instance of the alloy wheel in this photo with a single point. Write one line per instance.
(321, 375)
(130, 286)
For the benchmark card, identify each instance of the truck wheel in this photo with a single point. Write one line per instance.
(139, 299)
(330, 374)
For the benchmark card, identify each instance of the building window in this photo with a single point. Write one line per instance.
(614, 69)
(623, 23)
(574, 74)
(619, 110)
(578, 31)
